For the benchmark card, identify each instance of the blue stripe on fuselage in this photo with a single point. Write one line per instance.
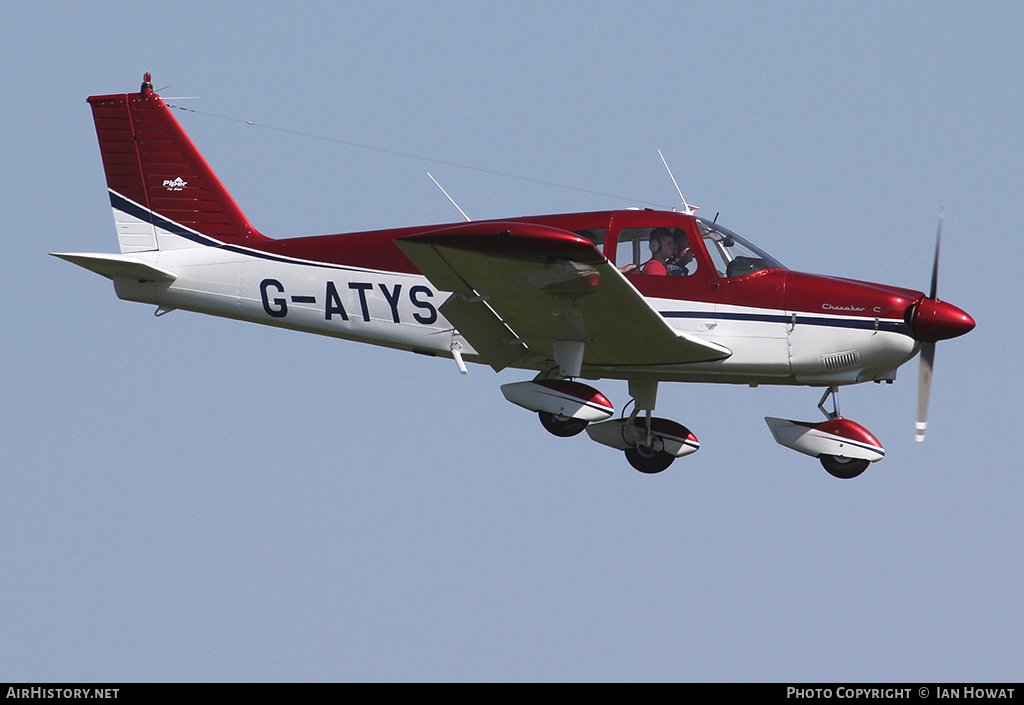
(805, 319)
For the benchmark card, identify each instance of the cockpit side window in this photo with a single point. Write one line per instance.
(654, 251)
(733, 256)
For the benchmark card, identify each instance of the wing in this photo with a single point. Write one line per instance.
(518, 289)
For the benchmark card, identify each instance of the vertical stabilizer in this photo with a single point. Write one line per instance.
(164, 194)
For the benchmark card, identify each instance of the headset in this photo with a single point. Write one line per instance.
(654, 241)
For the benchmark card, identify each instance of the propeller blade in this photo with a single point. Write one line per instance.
(924, 388)
(935, 265)
(927, 364)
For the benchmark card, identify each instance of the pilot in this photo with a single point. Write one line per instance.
(670, 253)
(663, 248)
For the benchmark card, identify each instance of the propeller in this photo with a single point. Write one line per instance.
(933, 320)
(924, 388)
(927, 363)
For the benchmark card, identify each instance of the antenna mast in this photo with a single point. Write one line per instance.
(450, 198)
(687, 208)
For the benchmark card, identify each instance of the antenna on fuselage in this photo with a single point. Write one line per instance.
(687, 208)
(450, 198)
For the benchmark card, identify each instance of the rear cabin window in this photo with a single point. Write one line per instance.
(595, 235)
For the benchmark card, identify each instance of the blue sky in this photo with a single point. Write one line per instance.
(188, 498)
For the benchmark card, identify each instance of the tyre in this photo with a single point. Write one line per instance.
(843, 468)
(648, 462)
(561, 426)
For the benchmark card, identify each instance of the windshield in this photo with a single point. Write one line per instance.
(733, 256)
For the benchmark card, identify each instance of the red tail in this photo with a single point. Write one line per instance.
(149, 160)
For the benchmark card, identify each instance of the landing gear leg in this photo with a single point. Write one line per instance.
(647, 454)
(833, 392)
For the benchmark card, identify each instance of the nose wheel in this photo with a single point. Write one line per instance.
(843, 468)
(843, 447)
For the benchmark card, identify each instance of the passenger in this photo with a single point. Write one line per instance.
(676, 265)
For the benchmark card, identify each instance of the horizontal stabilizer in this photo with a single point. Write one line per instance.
(117, 266)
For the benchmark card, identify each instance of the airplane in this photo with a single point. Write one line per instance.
(641, 295)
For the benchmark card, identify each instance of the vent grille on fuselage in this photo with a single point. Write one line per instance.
(840, 360)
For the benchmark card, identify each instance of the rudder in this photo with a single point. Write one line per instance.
(163, 192)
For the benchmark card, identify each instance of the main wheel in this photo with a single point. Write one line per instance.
(843, 468)
(561, 426)
(647, 461)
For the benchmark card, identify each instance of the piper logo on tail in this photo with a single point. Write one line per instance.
(175, 185)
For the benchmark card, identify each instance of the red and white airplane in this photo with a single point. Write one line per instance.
(644, 296)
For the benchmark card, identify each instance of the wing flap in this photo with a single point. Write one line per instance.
(542, 285)
(485, 330)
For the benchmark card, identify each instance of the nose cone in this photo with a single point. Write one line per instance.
(934, 320)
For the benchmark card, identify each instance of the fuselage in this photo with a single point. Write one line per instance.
(783, 327)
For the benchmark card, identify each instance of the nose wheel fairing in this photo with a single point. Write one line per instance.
(843, 447)
(841, 438)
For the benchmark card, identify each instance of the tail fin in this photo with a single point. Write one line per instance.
(163, 193)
